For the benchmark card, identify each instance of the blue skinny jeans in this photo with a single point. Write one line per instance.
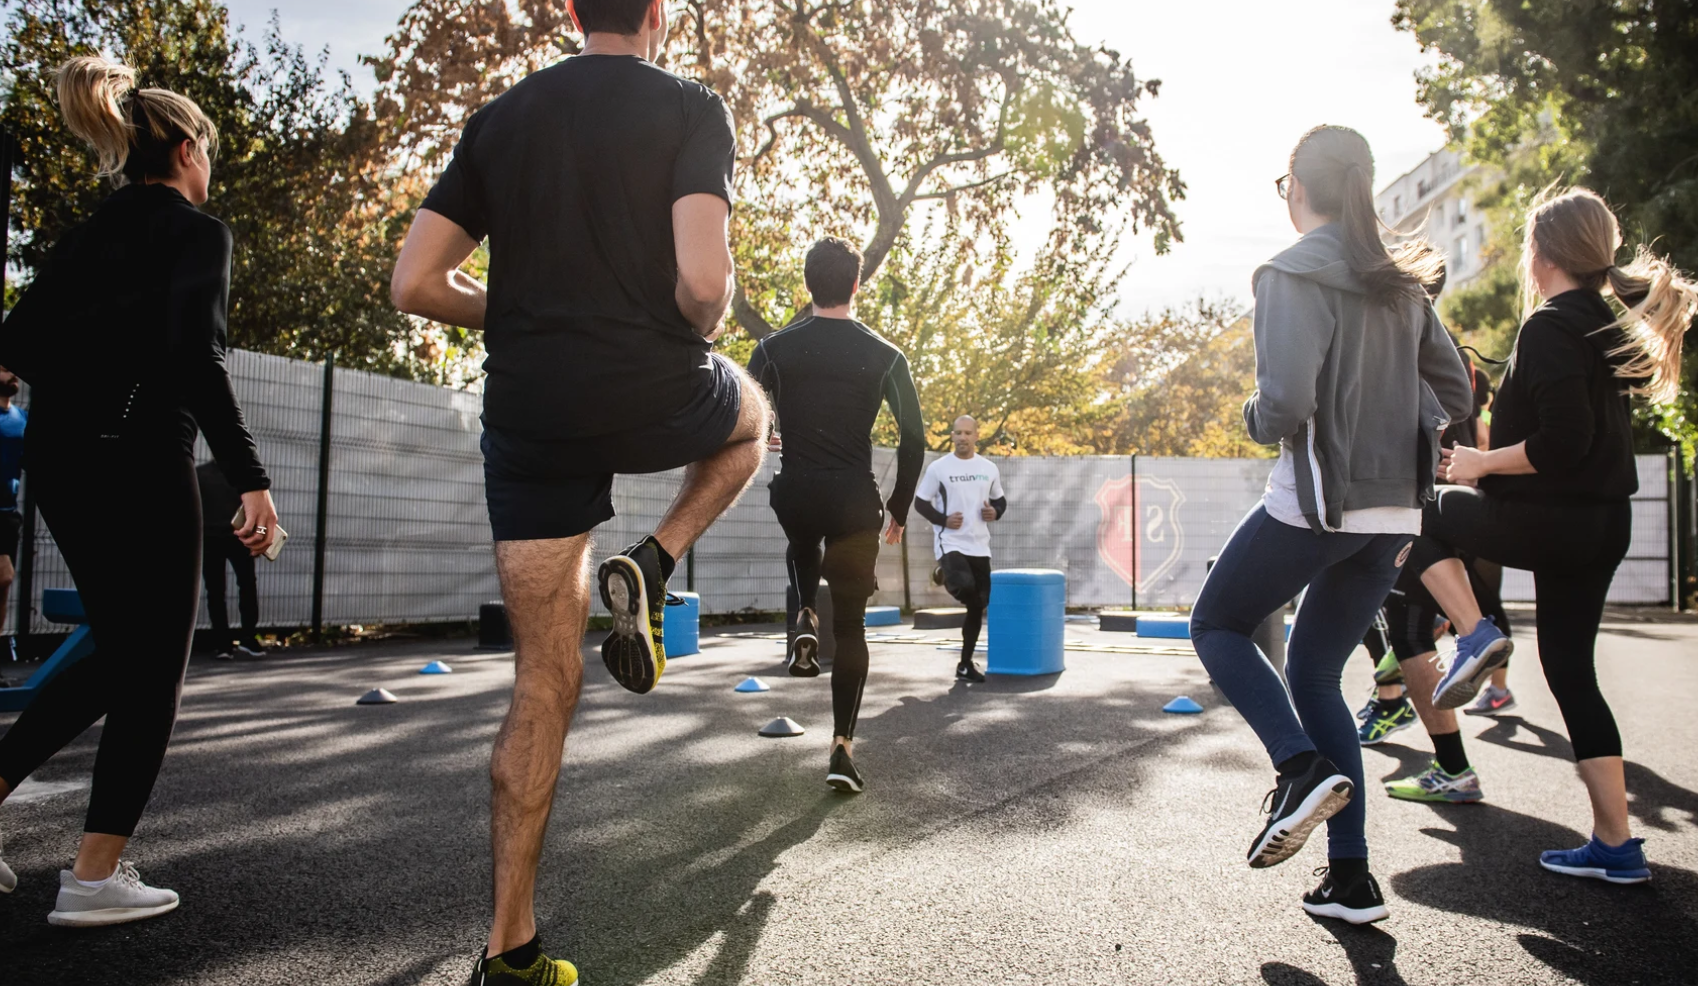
(1264, 565)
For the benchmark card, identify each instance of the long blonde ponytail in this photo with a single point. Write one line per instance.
(1576, 231)
(133, 132)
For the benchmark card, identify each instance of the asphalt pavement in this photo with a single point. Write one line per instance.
(1059, 829)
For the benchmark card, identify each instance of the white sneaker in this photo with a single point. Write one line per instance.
(8, 879)
(122, 898)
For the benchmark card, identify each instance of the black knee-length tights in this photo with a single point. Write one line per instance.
(1572, 549)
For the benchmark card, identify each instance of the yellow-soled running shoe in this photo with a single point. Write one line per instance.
(634, 593)
(542, 972)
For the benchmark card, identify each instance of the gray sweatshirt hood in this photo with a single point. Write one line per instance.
(1319, 257)
(1356, 391)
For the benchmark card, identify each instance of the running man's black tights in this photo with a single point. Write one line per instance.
(1572, 549)
(841, 509)
(967, 577)
(101, 504)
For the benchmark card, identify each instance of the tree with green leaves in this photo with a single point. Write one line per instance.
(315, 232)
(1593, 92)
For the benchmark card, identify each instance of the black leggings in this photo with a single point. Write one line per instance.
(840, 509)
(142, 612)
(967, 577)
(1572, 549)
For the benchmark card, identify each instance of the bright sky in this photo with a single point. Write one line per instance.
(1241, 81)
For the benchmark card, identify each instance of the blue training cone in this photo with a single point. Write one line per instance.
(1183, 706)
(436, 667)
(752, 684)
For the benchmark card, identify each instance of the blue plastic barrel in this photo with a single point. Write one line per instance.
(1028, 611)
(682, 625)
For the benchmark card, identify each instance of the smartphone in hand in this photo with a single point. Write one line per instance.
(240, 521)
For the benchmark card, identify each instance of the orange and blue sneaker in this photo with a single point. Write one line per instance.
(634, 592)
(543, 971)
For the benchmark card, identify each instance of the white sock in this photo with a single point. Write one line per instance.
(96, 885)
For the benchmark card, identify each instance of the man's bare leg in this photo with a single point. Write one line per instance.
(1422, 676)
(1448, 583)
(712, 485)
(545, 586)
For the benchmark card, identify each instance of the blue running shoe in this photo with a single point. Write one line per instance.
(1477, 655)
(1617, 864)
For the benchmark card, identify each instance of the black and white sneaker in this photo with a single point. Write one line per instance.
(805, 649)
(1295, 806)
(634, 593)
(1359, 903)
(968, 671)
(842, 774)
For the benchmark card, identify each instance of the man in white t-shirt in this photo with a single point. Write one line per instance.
(961, 494)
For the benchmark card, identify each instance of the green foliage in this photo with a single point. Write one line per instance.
(1596, 92)
(296, 177)
(1038, 356)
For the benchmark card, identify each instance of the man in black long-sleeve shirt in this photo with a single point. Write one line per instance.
(828, 375)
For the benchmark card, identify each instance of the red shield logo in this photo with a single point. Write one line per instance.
(1139, 536)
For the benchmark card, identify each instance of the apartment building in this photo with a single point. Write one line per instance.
(1435, 200)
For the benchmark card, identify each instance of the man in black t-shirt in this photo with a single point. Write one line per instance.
(603, 186)
(828, 375)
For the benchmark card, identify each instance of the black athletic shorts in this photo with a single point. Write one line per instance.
(967, 577)
(1411, 614)
(540, 489)
(11, 526)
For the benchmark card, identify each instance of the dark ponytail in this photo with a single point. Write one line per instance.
(1337, 171)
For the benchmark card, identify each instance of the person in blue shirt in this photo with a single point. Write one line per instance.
(12, 422)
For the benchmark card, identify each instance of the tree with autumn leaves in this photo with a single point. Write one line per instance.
(912, 126)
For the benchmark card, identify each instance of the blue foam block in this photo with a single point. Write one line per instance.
(1183, 706)
(1172, 627)
(884, 616)
(436, 667)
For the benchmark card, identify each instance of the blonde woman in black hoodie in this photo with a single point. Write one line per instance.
(121, 339)
(1552, 494)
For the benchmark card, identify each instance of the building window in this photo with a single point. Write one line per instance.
(1397, 205)
(1480, 237)
(1460, 257)
(1438, 216)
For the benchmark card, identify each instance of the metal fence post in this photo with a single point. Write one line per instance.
(907, 591)
(323, 517)
(23, 618)
(1676, 562)
(1132, 494)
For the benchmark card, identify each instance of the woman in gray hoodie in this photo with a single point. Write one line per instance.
(1355, 379)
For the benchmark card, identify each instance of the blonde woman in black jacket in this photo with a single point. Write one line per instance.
(121, 338)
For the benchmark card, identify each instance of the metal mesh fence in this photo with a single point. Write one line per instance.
(407, 535)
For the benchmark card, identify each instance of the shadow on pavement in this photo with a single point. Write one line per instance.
(1597, 933)
(1371, 950)
(306, 832)
(1504, 729)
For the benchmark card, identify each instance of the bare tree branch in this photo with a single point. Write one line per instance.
(945, 193)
